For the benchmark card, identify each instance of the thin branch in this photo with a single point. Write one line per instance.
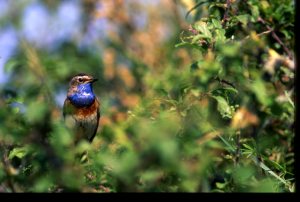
(222, 81)
(275, 36)
(260, 34)
(228, 4)
(208, 136)
(7, 168)
(182, 24)
(238, 148)
(196, 6)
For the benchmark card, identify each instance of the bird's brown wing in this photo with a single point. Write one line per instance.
(69, 120)
(98, 117)
(67, 107)
(64, 108)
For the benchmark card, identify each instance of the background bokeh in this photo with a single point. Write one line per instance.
(195, 96)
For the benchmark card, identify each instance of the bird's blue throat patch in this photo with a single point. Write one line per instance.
(84, 95)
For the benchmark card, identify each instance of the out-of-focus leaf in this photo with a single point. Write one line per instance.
(260, 91)
(198, 37)
(243, 118)
(220, 185)
(223, 106)
(36, 111)
(43, 184)
(254, 13)
(151, 176)
(216, 23)
(243, 18)
(242, 175)
(230, 50)
(202, 28)
(182, 44)
(220, 36)
(265, 186)
(19, 152)
(11, 64)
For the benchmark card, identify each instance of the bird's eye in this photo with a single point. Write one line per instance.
(80, 80)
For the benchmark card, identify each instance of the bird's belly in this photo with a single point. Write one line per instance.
(86, 125)
(82, 120)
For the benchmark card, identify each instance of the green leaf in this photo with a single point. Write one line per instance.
(42, 184)
(243, 18)
(150, 176)
(260, 92)
(265, 186)
(202, 27)
(10, 65)
(181, 44)
(220, 35)
(229, 146)
(220, 185)
(230, 50)
(223, 106)
(267, 169)
(36, 111)
(216, 23)
(248, 147)
(188, 44)
(254, 13)
(289, 99)
(198, 37)
(162, 91)
(231, 90)
(242, 175)
(19, 152)
(224, 91)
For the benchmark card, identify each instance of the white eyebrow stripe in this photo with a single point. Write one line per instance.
(83, 77)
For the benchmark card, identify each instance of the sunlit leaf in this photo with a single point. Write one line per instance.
(202, 28)
(19, 152)
(223, 106)
(243, 18)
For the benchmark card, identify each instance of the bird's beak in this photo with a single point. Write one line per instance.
(93, 80)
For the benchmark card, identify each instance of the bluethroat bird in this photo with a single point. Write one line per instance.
(81, 108)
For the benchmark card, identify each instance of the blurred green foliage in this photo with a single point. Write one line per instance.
(210, 109)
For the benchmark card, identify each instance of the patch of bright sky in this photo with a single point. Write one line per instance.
(67, 22)
(97, 29)
(8, 46)
(53, 28)
(4, 7)
(146, 2)
(60, 97)
(35, 25)
(140, 19)
(48, 30)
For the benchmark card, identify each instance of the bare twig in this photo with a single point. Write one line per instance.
(228, 4)
(196, 6)
(275, 36)
(7, 167)
(238, 148)
(260, 34)
(208, 136)
(222, 81)
(182, 24)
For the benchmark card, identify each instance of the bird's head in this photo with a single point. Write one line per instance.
(82, 79)
(81, 90)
